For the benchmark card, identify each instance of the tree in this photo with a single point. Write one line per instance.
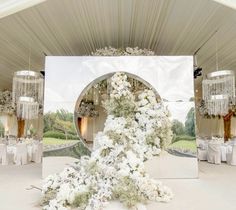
(64, 126)
(190, 122)
(64, 115)
(177, 127)
(49, 120)
(59, 120)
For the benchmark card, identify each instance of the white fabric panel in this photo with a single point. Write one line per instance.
(12, 125)
(213, 127)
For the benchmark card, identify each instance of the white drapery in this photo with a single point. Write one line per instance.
(10, 124)
(213, 127)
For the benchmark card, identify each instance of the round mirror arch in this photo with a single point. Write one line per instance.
(90, 115)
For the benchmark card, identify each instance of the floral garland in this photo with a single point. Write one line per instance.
(110, 51)
(87, 109)
(6, 106)
(202, 109)
(134, 131)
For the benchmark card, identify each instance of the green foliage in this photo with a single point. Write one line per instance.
(116, 137)
(151, 139)
(81, 199)
(190, 123)
(64, 115)
(92, 168)
(177, 127)
(49, 119)
(50, 195)
(77, 151)
(122, 107)
(61, 121)
(184, 145)
(63, 126)
(47, 141)
(127, 192)
(183, 137)
(105, 152)
(59, 135)
(54, 134)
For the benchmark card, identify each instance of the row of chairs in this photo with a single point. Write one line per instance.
(213, 154)
(21, 156)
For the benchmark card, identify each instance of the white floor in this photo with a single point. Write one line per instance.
(215, 189)
(171, 166)
(14, 182)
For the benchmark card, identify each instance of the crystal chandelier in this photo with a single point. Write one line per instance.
(27, 93)
(219, 92)
(27, 108)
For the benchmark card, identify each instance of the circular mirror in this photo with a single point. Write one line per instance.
(90, 115)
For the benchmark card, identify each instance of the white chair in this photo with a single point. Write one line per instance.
(21, 154)
(202, 149)
(201, 154)
(37, 152)
(12, 141)
(231, 156)
(214, 153)
(3, 154)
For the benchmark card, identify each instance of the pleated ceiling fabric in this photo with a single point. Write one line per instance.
(78, 27)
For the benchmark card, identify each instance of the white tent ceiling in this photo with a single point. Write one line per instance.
(77, 27)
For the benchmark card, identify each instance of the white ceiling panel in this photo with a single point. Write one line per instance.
(77, 27)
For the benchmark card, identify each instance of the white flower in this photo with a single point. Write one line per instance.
(121, 149)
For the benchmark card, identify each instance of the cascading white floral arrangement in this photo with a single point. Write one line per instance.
(134, 131)
(6, 105)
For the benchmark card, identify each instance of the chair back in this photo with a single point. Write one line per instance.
(234, 151)
(12, 141)
(3, 149)
(3, 154)
(214, 147)
(21, 148)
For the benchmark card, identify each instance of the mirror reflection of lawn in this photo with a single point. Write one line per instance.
(54, 141)
(184, 145)
(62, 147)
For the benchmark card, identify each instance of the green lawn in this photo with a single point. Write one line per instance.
(53, 141)
(184, 145)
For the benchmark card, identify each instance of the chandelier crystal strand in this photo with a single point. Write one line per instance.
(95, 95)
(27, 108)
(27, 85)
(219, 92)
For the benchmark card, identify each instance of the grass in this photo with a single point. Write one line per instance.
(54, 141)
(184, 145)
(76, 151)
